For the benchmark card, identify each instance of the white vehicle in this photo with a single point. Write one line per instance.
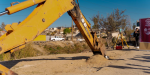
(57, 38)
(80, 39)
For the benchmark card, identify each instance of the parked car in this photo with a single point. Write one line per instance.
(80, 39)
(57, 38)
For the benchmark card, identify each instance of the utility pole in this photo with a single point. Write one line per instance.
(72, 31)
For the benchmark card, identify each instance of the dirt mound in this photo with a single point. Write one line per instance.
(97, 60)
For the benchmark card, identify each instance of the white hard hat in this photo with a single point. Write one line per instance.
(137, 27)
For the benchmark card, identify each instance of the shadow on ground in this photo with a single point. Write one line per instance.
(10, 64)
(129, 50)
(123, 50)
(140, 58)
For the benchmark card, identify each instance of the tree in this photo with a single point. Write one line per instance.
(128, 29)
(48, 34)
(2, 27)
(112, 22)
(95, 27)
(66, 31)
(95, 19)
(129, 24)
(133, 26)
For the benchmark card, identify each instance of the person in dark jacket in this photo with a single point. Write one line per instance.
(136, 35)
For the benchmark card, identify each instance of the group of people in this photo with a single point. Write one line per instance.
(136, 35)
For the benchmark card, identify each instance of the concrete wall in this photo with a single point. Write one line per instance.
(47, 38)
(144, 46)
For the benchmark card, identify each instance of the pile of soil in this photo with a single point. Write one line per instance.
(97, 60)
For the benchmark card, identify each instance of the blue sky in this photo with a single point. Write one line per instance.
(136, 9)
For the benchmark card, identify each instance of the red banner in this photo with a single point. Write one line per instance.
(145, 30)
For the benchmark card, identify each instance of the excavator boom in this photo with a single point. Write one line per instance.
(46, 12)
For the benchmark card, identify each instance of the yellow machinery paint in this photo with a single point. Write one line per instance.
(6, 71)
(37, 22)
(23, 5)
(46, 12)
(40, 38)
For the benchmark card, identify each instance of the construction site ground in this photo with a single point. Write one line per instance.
(122, 62)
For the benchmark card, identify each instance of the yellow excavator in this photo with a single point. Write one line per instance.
(46, 12)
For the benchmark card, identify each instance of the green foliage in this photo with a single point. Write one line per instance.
(28, 51)
(48, 34)
(67, 30)
(76, 48)
(50, 48)
(59, 47)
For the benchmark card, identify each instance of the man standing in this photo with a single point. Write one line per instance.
(136, 35)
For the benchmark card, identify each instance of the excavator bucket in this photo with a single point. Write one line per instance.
(6, 71)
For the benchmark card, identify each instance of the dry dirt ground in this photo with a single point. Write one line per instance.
(122, 62)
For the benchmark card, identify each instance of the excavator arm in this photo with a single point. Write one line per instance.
(84, 27)
(46, 12)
